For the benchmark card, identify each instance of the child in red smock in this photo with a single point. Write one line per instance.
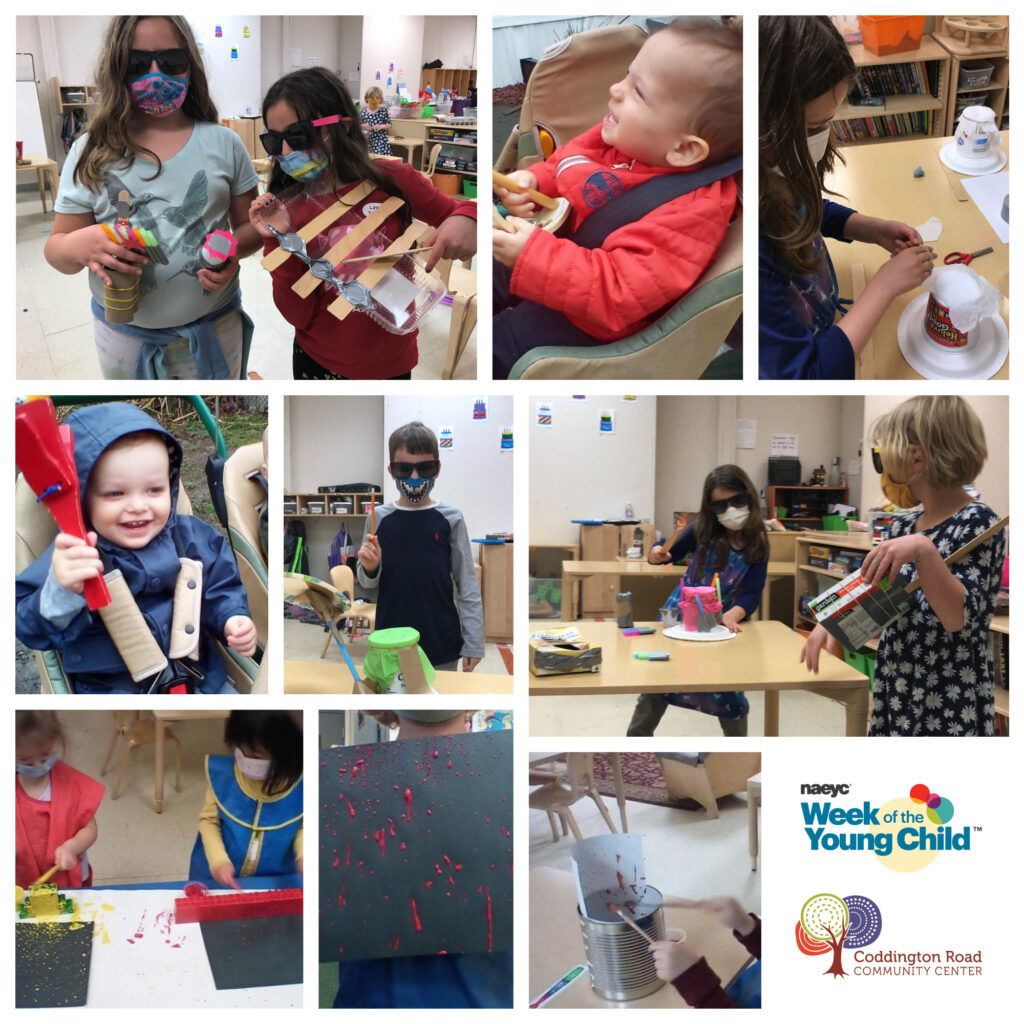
(54, 806)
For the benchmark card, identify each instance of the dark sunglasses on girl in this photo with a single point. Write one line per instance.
(741, 500)
(300, 135)
(170, 62)
(427, 469)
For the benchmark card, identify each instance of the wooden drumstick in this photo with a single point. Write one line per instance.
(513, 186)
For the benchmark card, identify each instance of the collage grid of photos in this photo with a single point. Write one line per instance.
(751, 563)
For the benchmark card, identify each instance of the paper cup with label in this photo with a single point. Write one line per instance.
(959, 300)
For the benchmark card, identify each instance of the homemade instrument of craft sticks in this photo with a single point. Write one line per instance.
(855, 613)
(45, 454)
(320, 223)
(232, 906)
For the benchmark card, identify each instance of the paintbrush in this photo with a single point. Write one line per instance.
(43, 879)
(616, 909)
(513, 186)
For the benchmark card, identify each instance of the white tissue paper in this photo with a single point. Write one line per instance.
(967, 295)
(930, 229)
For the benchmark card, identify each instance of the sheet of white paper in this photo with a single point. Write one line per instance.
(988, 193)
(930, 230)
(785, 444)
(746, 433)
(607, 862)
(142, 958)
(841, 510)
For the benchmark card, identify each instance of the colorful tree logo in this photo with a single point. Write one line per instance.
(833, 923)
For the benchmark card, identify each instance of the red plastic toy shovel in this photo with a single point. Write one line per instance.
(45, 453)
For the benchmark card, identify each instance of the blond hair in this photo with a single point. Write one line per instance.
(945, 427)
(374, 93)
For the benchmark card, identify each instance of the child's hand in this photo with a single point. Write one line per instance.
(508, 246)
(240, 633)
(468, 664)
(98, 252)
(889, 557)
(516, 203)
(268, 209)
(659, 555)
(907, 269)
(894, 235)
(455, 239)
(214, 280)
(820, 637)
(64, 857)
(75, 561)
(672, 957)
(732, 619)
(369, 553)
(224, 874)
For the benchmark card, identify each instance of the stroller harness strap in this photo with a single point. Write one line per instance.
(188, 602)
(631, 206)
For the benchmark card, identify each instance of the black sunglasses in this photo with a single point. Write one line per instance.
(741, 500)
(299, 135)
(170, 62)
(427, 469)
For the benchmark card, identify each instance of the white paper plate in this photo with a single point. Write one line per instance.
(994, 161)
(985, 355)
(720, 632)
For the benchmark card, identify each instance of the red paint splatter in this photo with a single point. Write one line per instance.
(391, 827)
(351, 810)
(436, 754)
(381, 836)
(402, 847)
(341, 895)
(437, 868)
(429, 884)
(505, 832)
(620, 880)
(395, 946)
(337, 862)
(451, 880)
(354, 772)
(415, 917)
(429, 812)
(348, 855)
(449, 764)
(140, 930)
(447, 860)
(458, 867)
(359, 863)
(490, 924)
(408, 807)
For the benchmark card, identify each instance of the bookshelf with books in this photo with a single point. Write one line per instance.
(909, 93)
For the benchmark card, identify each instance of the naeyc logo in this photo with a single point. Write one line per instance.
(905, 834)
(831, 923)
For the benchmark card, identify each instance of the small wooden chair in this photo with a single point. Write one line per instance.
(343, 579)
(137, 732)
(556, 796)
(462, 285)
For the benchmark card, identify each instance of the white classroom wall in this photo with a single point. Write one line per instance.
(476, 475)
(235, 83)
(389, 39)
(994, 480)
(452, 39)
(576, 472)
(330, 440)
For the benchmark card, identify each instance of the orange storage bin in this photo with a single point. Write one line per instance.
(886, 34)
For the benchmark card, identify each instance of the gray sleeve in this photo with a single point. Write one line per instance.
(58, 606)
(367, 581)
(468, 599)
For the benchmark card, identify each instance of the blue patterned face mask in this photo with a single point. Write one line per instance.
(304, 164)
(159, 94)
(415, 490)
(37, 771)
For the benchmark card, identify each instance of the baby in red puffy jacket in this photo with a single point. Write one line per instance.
(678, 108)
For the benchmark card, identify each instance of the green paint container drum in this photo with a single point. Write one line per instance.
(383, 663)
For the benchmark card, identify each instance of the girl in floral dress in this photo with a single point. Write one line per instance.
(377, 120)
(933, 674)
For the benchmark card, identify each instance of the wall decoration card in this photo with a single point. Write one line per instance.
(416, 847)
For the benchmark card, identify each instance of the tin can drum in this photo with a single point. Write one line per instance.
(120, 297)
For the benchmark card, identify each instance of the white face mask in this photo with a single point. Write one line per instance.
(255, 768)
(817, 144)
(734, 518)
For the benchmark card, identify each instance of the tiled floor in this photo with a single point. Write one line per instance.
(135, 843)
(54, 322)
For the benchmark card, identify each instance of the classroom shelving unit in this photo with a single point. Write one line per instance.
(453, 79)
(785, 496)
(904, 103)
(992, 47)
(308, 500)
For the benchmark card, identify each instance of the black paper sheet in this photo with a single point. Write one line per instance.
(51, 963)
(254, 952)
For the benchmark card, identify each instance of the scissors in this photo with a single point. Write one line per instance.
(964, 257)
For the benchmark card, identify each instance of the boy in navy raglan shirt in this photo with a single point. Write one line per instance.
(420, 546)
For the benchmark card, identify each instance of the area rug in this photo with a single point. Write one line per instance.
(642, 779)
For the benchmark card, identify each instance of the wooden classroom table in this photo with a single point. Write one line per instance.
(163, 719)
(764, 656)
(409, 145)
(878, 180)
(323, 677)
(573, 573)
(46, 174)
(556, 945)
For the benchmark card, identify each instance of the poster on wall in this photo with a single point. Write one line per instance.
(234, 53)
(785, 444)
(246, 32)
(376, 75)
(544, 415)
(606, 421)
(479, 408)
(506, 439)
(579, 398)
(446, 437)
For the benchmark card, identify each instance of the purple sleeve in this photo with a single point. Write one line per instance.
(701, 987)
